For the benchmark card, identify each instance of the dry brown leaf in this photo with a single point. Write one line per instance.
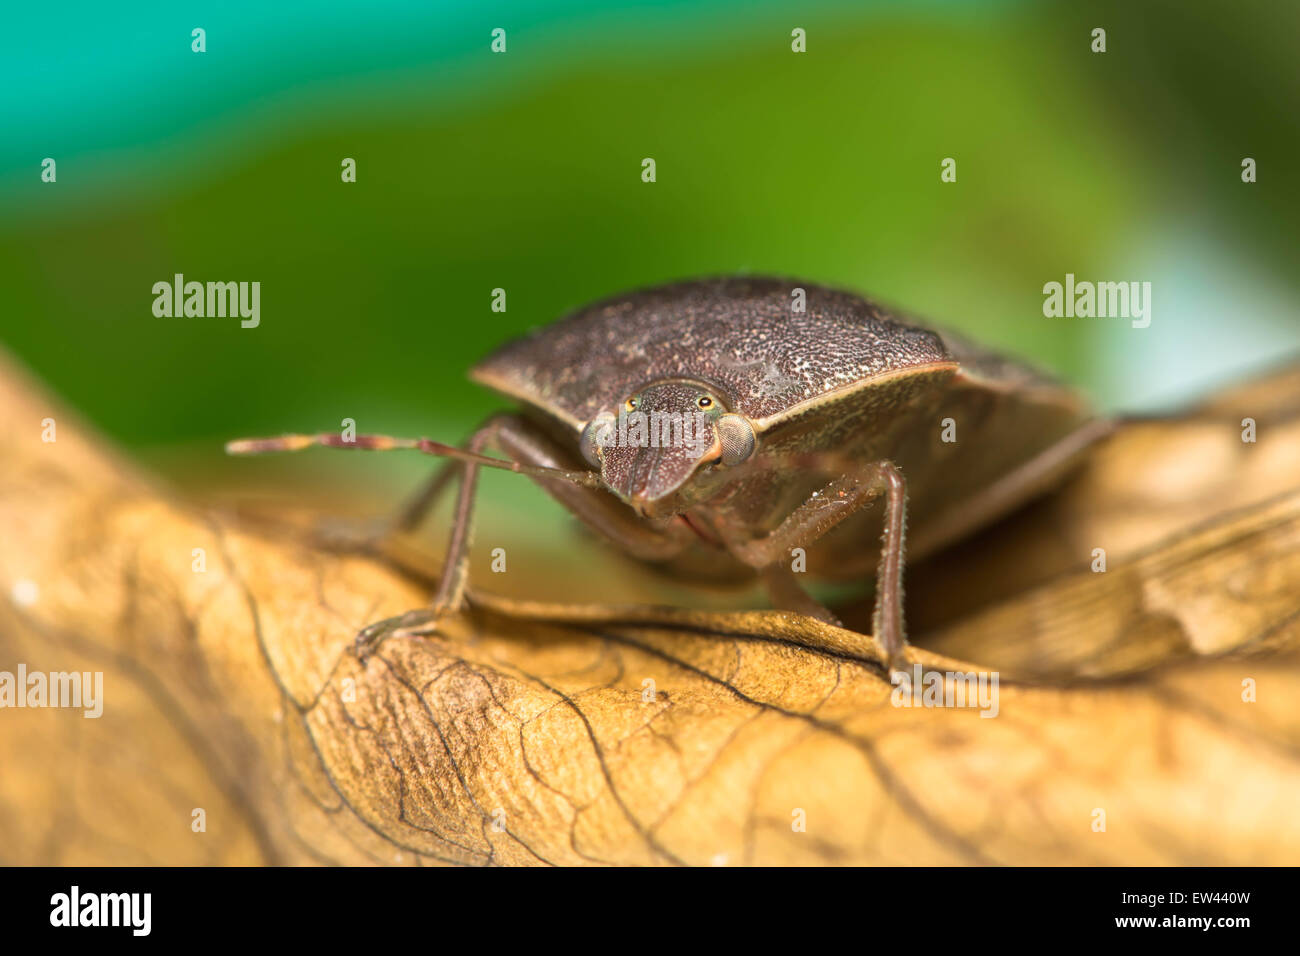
(524, 733)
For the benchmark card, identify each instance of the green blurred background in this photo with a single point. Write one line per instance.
(522, 170)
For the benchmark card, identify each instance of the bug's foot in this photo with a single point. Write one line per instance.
(897, 664)
(417, 623)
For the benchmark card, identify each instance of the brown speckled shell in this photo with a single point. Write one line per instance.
(739, 335)
(845, 377)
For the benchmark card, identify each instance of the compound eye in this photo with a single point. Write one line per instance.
(736, 435)
(598, 433)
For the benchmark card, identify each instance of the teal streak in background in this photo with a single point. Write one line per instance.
(522, 171)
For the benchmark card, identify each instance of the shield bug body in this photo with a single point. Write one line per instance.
(713, 427)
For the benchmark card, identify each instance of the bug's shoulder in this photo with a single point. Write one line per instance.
(772, 345)
(982, 366)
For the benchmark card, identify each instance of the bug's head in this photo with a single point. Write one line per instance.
(662, 438)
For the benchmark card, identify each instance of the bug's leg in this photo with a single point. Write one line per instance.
(785, 592)
(417, 507)
(597, 508)
(531, 453)
(369, 536)
(450, 595)
(858, 485)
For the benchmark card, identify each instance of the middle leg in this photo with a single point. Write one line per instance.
(858, 485)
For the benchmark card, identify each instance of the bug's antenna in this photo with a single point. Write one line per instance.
(262, 446)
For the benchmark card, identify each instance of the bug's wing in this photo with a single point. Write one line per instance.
(1016, 432)
(1053, 445)
(975, 437)
(994, 369)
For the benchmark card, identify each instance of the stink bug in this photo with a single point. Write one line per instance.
(792, 412)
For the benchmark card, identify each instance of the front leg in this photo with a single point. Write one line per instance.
(597, 508)
(824, 510)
